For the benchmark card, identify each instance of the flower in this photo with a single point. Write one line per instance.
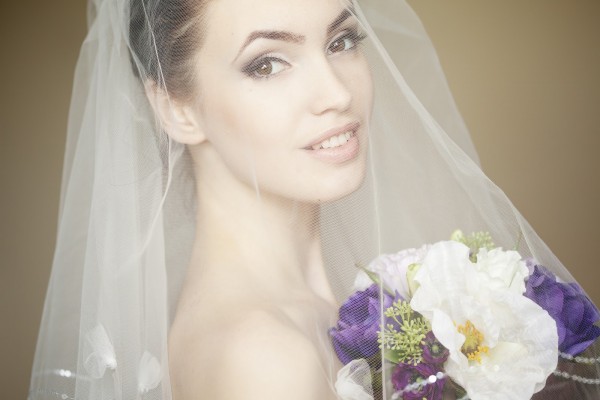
(433, 351)
(356, 333)
(354, 381)
(475, 241)
(574, 313)
(506, 268)
(403, 333)
(417, 382)
(392, 270)
(502, 345)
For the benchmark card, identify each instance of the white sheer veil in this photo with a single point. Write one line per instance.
(126, 222)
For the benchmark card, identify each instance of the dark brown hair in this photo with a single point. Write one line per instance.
(164, 37)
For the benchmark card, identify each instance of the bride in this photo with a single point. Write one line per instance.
(229, 165)
(287, 87)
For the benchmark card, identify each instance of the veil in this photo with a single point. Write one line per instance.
(129, 218)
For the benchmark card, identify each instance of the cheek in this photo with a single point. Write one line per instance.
(251, 129)
(249, 114)
(226, 115)
(360, 83)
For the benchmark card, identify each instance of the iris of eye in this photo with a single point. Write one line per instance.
(338, 45)
(265, 68)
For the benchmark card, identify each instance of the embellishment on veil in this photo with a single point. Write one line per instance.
(578, 360)
(47, 394)
(581, 360)
(418, 386)
(150, 373)
(577, 378)
(465, 317)
(99, 353)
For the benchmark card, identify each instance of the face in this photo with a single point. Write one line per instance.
(284, 95)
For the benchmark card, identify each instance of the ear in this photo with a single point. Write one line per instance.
(176, 119)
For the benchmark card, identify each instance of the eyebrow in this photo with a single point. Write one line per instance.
(273, 35)
(344, 15)
(291, 37)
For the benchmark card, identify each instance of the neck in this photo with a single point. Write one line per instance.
(246, 234)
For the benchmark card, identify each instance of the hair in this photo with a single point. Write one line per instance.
(164, 36)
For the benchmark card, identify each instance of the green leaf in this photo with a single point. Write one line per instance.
(393, 356)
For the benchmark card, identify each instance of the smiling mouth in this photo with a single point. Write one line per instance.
(337, 146)
(334, 141)
(334, 138)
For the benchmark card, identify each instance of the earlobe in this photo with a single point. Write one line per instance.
(176, 119)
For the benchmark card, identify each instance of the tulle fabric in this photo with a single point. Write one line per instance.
(125, 230)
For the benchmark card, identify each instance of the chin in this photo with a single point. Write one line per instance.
(322, 181)
(344, 182)
(339, 187)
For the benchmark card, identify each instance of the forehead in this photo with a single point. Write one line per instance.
(235, 19)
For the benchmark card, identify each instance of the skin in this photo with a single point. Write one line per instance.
(252, 317)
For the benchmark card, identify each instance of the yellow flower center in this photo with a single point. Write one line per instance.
(473, 347)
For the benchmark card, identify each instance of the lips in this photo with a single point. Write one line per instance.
(334, 137)
(334, 141)
(337, 145)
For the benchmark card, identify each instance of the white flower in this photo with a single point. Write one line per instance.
(506, 268)
(502, 345)
(354, 381)
(392, 269)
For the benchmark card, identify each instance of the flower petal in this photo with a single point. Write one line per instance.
(354, 381)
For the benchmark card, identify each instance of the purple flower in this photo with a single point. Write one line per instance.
(433, 351)
(573, 311)
(423, 376)
(356, 333)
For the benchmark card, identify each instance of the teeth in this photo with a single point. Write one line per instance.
(334, 141)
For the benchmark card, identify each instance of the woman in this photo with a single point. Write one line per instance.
(246, 136)
(262, 109)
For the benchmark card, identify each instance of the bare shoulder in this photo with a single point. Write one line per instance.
(256, 355)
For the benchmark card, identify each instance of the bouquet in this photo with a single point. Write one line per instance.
(460, 319)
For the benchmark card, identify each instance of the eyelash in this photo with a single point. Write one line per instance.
(353, 35)
(251, 69)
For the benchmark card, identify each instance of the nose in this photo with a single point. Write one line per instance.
(331, 91)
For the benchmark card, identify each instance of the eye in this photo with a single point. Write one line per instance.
(346, 42)
(265, 67)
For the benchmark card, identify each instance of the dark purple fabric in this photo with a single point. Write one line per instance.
(356, 333)
(573, 311)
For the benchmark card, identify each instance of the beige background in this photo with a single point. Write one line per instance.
(525, 75)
